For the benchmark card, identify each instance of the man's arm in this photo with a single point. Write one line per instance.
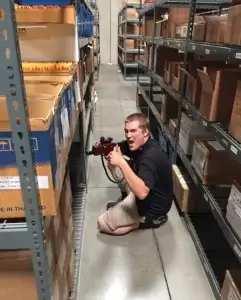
(135, 183)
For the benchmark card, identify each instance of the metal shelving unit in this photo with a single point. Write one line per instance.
(214, 196)
(28, 233)
(128, 57)
(94, 7)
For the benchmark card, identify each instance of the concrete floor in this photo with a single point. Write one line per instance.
(161, 264)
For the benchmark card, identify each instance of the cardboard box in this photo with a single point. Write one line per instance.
(67, 74)
(209, 159)
(232, 285)
(90, 60)
(66, 199)
(129, 44)
(233, 213)
(169, 108)
(215, 28)
(191, 85)
(17, 279)
(173, 126)
(45, 14)
(70, 273)
(131, 13)
(235, 122)
(217, 97)
(149, 27)
(233, 35)
(49, 135)
(42, 43)
(198, 33)
(190, 129)
(176, 75)
(186, 193)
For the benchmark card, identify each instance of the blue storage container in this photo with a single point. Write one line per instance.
(81, 13)
(88, 28)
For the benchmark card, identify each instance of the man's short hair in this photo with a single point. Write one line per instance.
(143, 120)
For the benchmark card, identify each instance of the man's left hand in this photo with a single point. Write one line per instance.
(115, 157)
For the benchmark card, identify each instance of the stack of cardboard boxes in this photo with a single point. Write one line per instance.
(54, 93)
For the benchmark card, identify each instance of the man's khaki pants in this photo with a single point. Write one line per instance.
(125, 212)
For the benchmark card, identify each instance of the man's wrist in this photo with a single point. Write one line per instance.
(122, 163)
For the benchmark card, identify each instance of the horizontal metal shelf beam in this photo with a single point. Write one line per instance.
(128, 65)
(129, 36)
(218, 52)
(200, 4)
(131, 51)
(223, 224)
(136, 21)
(14, 236)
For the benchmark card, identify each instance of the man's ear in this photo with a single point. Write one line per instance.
(146, 132)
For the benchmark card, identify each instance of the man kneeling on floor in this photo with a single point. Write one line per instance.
(145, 181)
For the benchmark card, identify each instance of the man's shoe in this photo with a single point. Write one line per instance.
(147, 223)
(113, 203)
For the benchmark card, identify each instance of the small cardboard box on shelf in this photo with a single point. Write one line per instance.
(235, 122)
(233, 213)
(218, 92)
(232, 285)
(209, 159)
(190, 129)
(45, 14)
(186, 193)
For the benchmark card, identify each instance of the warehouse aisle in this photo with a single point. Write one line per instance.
(142, 265)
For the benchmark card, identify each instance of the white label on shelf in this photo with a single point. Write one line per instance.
(232, 295)
(205, 123)
(193, 47)
(206, 197)
(234, 150)
(13, 182)
(238, 55)
(186, 106)
(207, 51)
(236, 249)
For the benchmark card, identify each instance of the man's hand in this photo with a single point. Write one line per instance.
(115, 157)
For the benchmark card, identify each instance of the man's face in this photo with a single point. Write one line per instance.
(135, 136)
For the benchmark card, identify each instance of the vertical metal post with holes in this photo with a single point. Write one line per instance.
(12, 85)
(184, 78)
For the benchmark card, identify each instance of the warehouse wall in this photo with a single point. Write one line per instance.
(108, 10)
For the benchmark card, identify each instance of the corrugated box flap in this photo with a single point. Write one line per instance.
(40, 112)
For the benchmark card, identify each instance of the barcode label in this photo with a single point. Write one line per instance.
(205, 123)
(207, 51)
(193, 47)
